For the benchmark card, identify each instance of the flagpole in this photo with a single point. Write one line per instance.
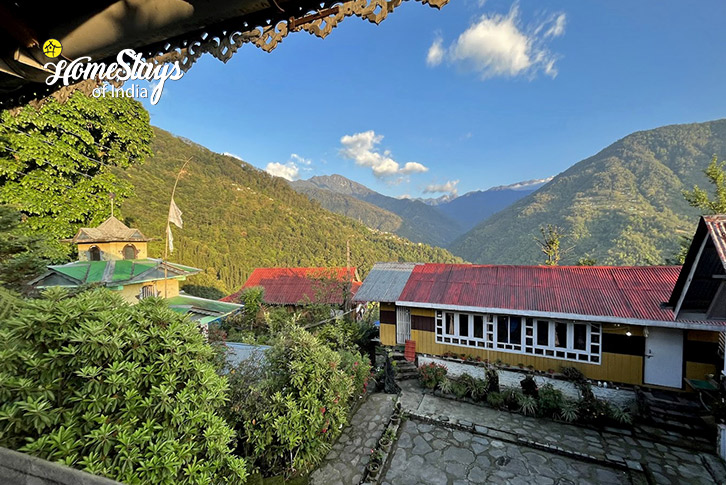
(168, 227)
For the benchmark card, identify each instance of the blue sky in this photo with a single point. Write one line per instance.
(475, 95)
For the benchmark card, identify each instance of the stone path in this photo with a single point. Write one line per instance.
(347, 460)
(430, 454)
(668, 465)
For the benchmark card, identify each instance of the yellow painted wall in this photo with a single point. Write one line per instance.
(699, 370)
(423, 312)
(112, 250)
(615, 367)
(389, 307)
(388, 334)
(702, 336)
(130, 292)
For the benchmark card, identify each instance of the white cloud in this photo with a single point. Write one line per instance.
(361, 148)
(499, 45)
(558, 26)
(446, 188)
(301, 160)
(288, 171)
(291, 169)
(436, 53)
(413, 167)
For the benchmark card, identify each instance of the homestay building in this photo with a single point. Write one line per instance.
(116, 257)
(295, 287)
(656, 326)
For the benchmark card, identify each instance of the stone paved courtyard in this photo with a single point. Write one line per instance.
(499, 449)
(430, 454)
(667, 465)
(347, 460)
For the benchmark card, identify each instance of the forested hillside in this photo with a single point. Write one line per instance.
(420, 222)
(237, 218)
(349, 206)
(623, 205)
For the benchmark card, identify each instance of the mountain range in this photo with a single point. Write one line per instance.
(434, 221)
(237, 218)
(621, 206)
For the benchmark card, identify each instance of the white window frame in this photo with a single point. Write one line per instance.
(529, 328)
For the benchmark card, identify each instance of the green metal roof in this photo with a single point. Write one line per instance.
(119, 272)
(202, 304)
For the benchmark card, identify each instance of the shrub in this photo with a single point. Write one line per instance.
(527, 405)
(529, 386)
(459, 389)
(549, 400)
(568, 412)
(289, 417)
(431, 375)
(619, 415)
(124, 391)
(492, 380)
(446, 385)
(592, 410)
(358, 367)
(512, 398)
(468, 382)
(573, 374)
(495, 400)
(479, 390)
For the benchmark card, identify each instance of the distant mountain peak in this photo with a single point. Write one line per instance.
(340, 184)
(525, 185)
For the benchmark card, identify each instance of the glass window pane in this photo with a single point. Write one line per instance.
(502, 329)
(478, 326)
(463, 325)
(450, 323)
(515, 330)
(561, 335)
(580, 336)
(543, 333)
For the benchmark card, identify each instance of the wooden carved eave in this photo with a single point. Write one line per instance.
(266, 32)
(264, 28)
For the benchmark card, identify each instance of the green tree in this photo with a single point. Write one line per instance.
(290, 410)
(124, 391)
(57, 161)
(699, 198)
(550, 244)
(20, 255)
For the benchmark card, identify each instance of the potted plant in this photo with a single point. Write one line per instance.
(373, 470)
(395, 419)
(385, 443)
(375, 463)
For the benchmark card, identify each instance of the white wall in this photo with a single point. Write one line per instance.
(507, 378)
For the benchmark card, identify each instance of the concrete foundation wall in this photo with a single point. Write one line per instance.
(620, 397)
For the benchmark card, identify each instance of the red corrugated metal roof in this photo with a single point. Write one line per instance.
(624, 292)
(716, 225)
(290, 286)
